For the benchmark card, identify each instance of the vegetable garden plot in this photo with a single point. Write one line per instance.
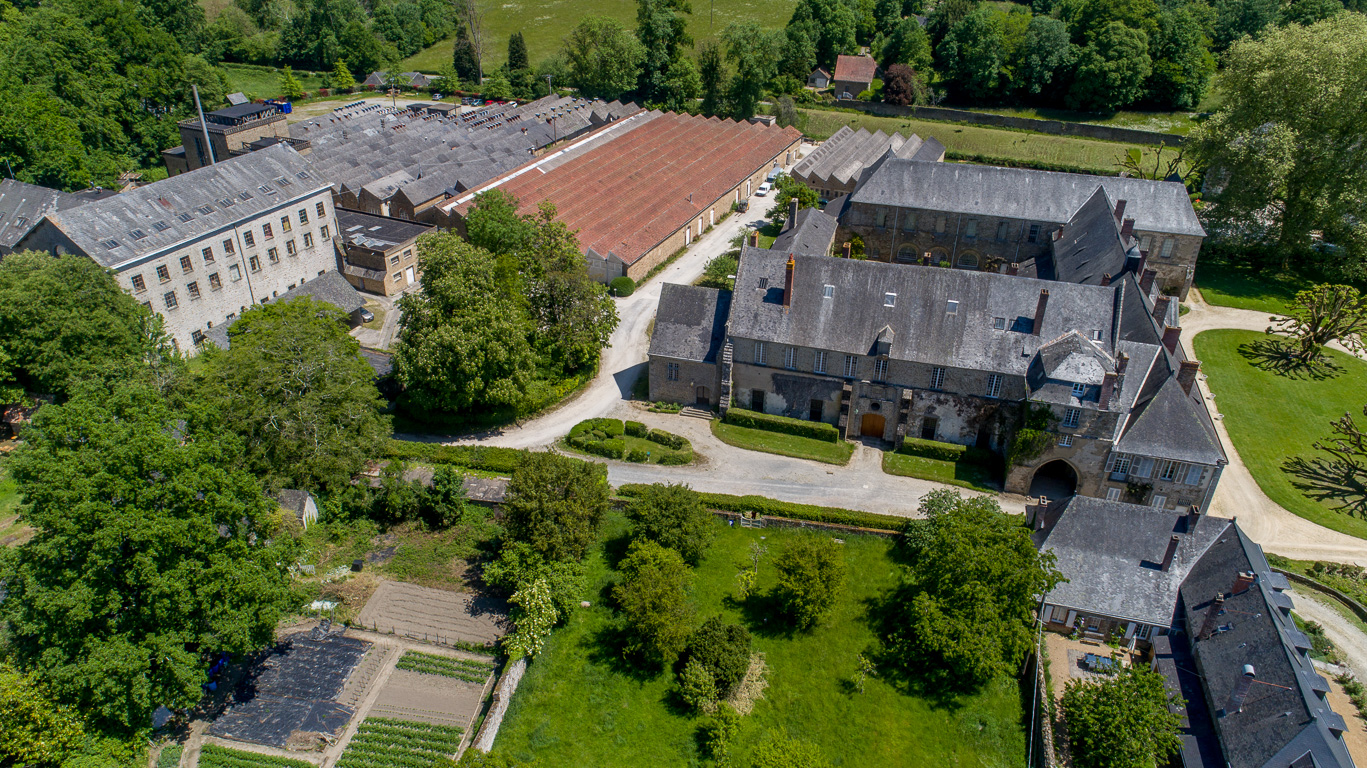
(385, 743)
(469, 670)
(214, 756)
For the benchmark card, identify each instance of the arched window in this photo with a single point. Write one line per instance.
(968, 260)
(906, 253)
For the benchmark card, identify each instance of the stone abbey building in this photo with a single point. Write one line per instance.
(1081, 333)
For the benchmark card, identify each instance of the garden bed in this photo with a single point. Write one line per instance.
(782, 444)
(629, 441)
(389, 743)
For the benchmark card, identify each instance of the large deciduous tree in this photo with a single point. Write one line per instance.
(673, 516)
(712, 76)
(1323, 314)
(662, 28)
(830, 25)
(1285, 149)
(1122, 721)
(907, 44)
(653, 596)
(1112, 69)
(753, 52)
(811, 574)
(151, 554)
(1043, 57)
(1182, 62)
(605, 59)
(964, 612)
(971, 54)
(572, 314)
(556, 504)
(293, 385)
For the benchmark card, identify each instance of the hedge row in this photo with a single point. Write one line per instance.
(765, 506)
(603, 437)
(667, 439)
(816, 430)
(934, 449)
(610, 427)
(485, 457)
(637, 429)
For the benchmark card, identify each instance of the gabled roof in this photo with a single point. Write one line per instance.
(23, 205)
(1170, 425)
(811, 234)
(847, 153)
(690, 323)
(1090, 246)
(855, 69)
(1025, 194)
(820, 71)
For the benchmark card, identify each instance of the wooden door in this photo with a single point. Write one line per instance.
(872, 425)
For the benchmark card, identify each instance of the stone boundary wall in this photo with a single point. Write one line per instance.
(1055, 127)
(507, 686)
(810, 525)
(1353, 605)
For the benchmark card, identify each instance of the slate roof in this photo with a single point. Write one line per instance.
(378, 233)
(811, 234)
(855, 69)
(847, 153)
(1169, 424)
(165, 214)
(925, 330)
(1283, 720)
(23, 205)
(1025, 194)
(1090, 246)
(1112, 552)
(690, 323)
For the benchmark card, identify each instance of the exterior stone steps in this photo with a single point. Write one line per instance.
(697, 413)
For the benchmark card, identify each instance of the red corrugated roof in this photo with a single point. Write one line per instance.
(855, 69)
(629, 194)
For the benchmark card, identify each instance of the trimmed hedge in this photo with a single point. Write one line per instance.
(934, 449)
(609, 427)
(636, 429)
(623, 286)
(816, 430)
(604, 437)
(667, 439)
(765, 506)
(484, 457)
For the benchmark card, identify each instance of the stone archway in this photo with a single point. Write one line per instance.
(1056, 480)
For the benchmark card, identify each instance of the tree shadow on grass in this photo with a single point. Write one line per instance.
(764, 616)
(925, 678)
(608, 648)
(1275, 354)
(1324, 481)
(615, 550)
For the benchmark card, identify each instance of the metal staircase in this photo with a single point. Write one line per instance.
(724, 398)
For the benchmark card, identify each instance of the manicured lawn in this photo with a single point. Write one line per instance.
(1019, 146)
(580, 705)
(783, 445)
(1264, 290)
(1273, 417)
(961, 473)
(264, 82)
(545, 23)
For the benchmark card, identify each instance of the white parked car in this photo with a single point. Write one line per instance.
(764, 189)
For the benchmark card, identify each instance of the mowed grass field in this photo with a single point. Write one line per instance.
(1019, 146)
(544, 24)
(264, 82)
(1273, 417)
(580, 705)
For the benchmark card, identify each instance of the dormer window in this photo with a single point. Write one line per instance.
(999, 323)
(889, 299)
(952, 307)
(764, 282)
(1079, 390)
(828, 292)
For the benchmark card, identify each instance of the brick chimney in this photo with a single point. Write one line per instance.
(1105, 279)
(1039, 311)
(1240, 692)
(1121, 360)
(1212, 617)
(1146, 279)
(925, 259)
(1171, 335)
(1172, 550)
(788, 284)
(792, 214)
(1193, 518)
(846, 249)
(1119, 210)
(1107, 390)
(1126, 230)
(1058, 234)
(1186, 374)
(754, 238)
(1013, 268)
(1160, 308)
(1242, 581)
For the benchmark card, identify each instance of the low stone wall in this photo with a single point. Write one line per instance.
(1056, 127)
(507, 686)
(1357, 608)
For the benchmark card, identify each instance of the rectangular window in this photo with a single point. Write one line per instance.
(880, 370)
(994, 385)
(235, 272)
(1160, 501)
(1120, 464)
(214, 282)
(1166, 253)
(1065, 440)
(228, 247)
(267, 232)
(1145, 242)
(909, 222)
(937, 378)
(193, 289)
(1143, 468)
(880, 217)
(1144, 631)
(1195, 474)
(851, 366)
(197, 336)
(407, 254)
(1079, 390)
(819, 362)
(940, 224)
(1034, 234)
(398, 277)
(1169, 470)
(1071, 417)
(394, 259)
(828, 292)
(672, 372)
(163, 274)
(889, 299)
(290, 247)
(308, 239)
(208, 254)
(323, 233)
(952, 307)
(273, 254)
(255, 264)
(249, 239)
(303, 216)
(170, 298)
(138, 284)
(999, 323)
(186, 265)
(971, 230)
(285, 224)
(322, 212)
(761, 354)
(1001, 230)
(790, 358)
(1113, 494)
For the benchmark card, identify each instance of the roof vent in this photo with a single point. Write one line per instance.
(206, 209)
(244, 196)
(284, 182)
(110, 244)
(226, 202)
(303, 175)
(185, 217)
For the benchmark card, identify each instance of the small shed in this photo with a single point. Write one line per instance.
(301, 503)
(819, 78)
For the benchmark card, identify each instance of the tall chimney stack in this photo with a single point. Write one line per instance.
(1217, 606)
(1242, 581)
(1186, 374)
(1105, 279)
(1193, 518)
(1013, 268)
(1146, 280)
(1171, 334)
(1160, 309)
(754, 238)
(1172, 550)
(1240, 692)
(792, 214)
(1119, 210)
(1107, 390)
(847, 249)
(1126, 230)
(1039, 311)
(1121, 361)
(788, 284)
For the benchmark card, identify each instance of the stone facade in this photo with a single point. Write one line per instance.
(683, 381)
(227, 138)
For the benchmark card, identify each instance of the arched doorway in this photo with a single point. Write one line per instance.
(1056, 480)
(704, 396)
(872, 425)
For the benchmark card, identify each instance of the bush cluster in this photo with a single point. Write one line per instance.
(764, 506)
(622, 286)
(484, 457)
(603, 437)
(816, 430)
(637, 429)
(934, 449)
(667, 439)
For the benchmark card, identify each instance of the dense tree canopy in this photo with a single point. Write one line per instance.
(604, 58)
(811, 574)
(555, 504)
(673, 516)
(151, 553)
(653, 596)
(1122, 721)
(662, 29)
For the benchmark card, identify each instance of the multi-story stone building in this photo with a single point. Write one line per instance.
(227, 133)
(892, 352)
(986, 218)
(380, 253)
(201, 247)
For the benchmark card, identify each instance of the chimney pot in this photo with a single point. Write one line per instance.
(1160, 308)
(1193, 517)
(1107, 390)
(1186, 374)
(754, 238)
(1171, 335)
(1242, 582)
(792, 214)
(1105, 279)
(1127, 229)
(1119, 209)
(788, 284)
(847, 249)
(1121, 360)
(1172, 550)
(1013, 268)
(1039, 311)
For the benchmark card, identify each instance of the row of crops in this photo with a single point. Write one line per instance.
(214, 756)
(469, 670)
(383, 742)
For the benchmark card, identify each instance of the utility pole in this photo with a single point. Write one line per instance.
(394, 97)
(548, 86)
(203, 126)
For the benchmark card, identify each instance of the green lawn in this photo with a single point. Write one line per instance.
(783, 445)
(11, 530)
(655, 450)
(965, 474)
(579, 705)
(984, 142)
(264, 82)
(544, 24)
(1179, 123)
(1273, 417)
(1242, 287)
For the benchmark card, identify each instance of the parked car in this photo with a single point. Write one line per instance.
(743, 206)
(367, 316)
(764, 189)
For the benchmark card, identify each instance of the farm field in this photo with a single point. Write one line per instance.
(1273, 417)
(544, 24)
(581, 705)
(214, 756)
(388, 743)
